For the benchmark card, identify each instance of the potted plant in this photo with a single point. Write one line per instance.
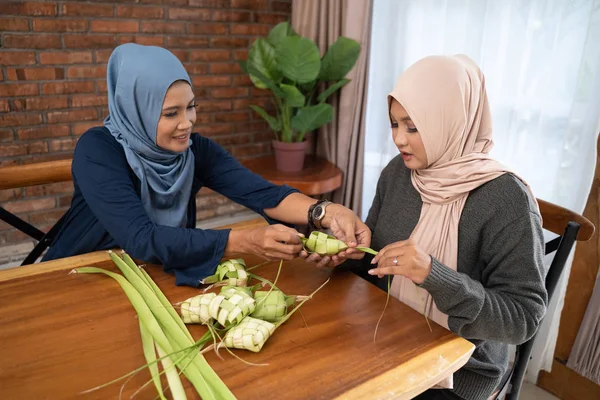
(291, 68)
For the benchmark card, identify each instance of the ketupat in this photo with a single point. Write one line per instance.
(326, 245)
(250, 334)
(272, 305)
(231, 272)
(228, 307)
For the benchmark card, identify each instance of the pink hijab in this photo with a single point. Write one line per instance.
(447, 101)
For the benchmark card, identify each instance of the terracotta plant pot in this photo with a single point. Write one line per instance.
(289, 157)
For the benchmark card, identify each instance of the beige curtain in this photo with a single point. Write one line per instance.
(342, 141)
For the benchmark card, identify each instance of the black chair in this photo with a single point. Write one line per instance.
(570, 227)
(20, 176)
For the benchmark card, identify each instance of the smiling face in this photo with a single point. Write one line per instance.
(177, 118)
(407, 138)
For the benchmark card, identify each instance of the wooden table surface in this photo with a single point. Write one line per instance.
(318, 176)
(61, 334)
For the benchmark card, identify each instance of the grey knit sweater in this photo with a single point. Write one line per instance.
(497, 297)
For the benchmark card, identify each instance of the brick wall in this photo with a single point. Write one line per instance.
(53, 58)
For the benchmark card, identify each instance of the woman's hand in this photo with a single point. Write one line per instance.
(405, 258)
(347, 227)
(273, 242)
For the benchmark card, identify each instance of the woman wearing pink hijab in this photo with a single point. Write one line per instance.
(460, 234)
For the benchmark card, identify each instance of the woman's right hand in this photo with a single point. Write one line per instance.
(273, 242)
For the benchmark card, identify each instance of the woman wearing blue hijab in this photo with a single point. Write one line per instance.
(136, 179)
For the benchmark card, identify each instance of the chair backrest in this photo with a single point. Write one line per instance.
(20, 176)
(570, 227)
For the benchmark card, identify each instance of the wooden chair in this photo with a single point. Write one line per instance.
(16, 177)
(570, 227)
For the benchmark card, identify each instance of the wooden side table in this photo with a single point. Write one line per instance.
(318, 176)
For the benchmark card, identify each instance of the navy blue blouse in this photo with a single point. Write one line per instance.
(107, 212)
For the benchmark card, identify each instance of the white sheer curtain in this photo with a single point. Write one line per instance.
(542, 65)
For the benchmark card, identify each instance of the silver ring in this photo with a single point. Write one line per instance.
(395, 261)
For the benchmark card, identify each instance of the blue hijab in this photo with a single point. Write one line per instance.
(138, 78)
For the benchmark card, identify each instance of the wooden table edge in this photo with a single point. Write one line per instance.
(312, 188)
(396, 383)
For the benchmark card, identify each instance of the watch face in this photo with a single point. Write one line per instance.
(318, 212)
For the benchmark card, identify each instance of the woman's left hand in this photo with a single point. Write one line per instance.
(347, 227)
(405, 258)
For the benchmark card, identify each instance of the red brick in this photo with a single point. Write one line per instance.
(22, 149)
(204, 202)
(201, 93)
(140, 12)
(32, 41)
(145, 40)
(189, 13)
(65, 201)
(254, 92)
(87, 114)
(86, 72)
(102, 56)
(243, 104)
(20, 8)
(233, 139)
(210, 3)
(90, 41)
(208, 29)
(67, 87)
(18, 89)
(255, 30)
(35, 74)
(230, 208)
(111, 26)
(45, 157)
(101, 86)
(251, 150)
(214, 130)
(50, 189)
(4, 106)
(227, 93)
(232, 116)
(212, 105)
(90, 100)
(185, 41)
(182, 55)
(14, 236)
(225, 68)
(196, 69)
(261, 136)
(210, 55)
(16, 57)
(59, 25)
(167, 2)
(231, 16)
(240, 55)
(203, 118)
(65, 57)
(211, 81)
(228, 42)
(82, 127)
(6, 135)
(63, 144)
(30, 205)
(46, 103)
(249, 4)
(163, 27)
(42, 132)
(45, 217)
(205, 214)
(281, 6)
(10, 194)
(271, 19)
(242, 80)
(87, 9)
(14, 24)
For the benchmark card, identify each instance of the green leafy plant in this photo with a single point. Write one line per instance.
(291, 67)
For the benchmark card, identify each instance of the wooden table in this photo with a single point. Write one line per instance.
(318, 176)
(61, 334)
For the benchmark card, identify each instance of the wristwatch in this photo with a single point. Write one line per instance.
(316, 212)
